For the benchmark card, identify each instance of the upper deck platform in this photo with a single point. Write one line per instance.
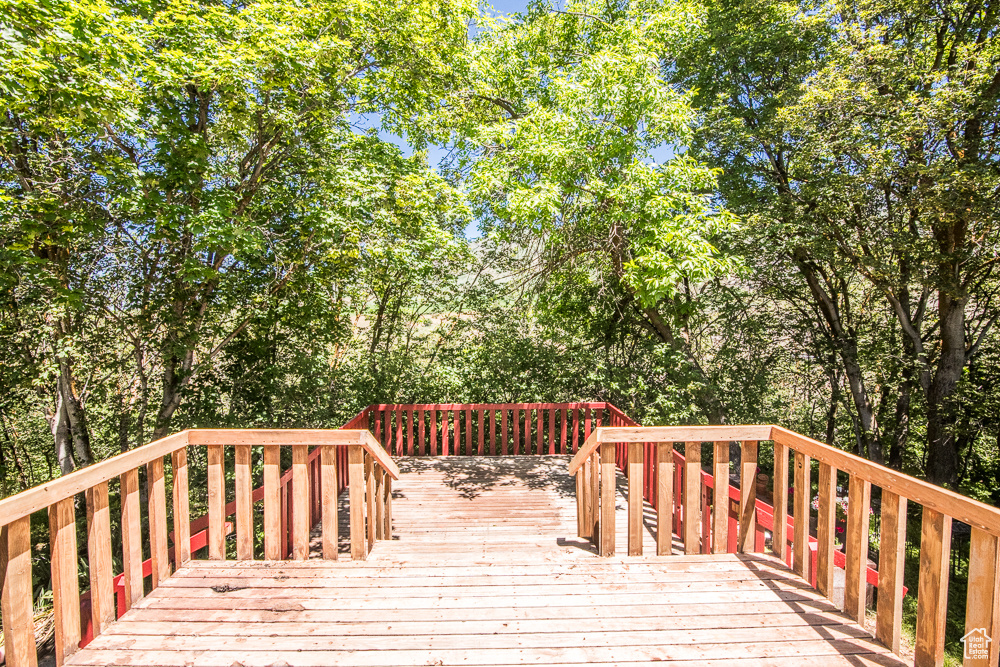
(484, 567)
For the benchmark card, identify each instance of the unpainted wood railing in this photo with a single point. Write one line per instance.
(651, 450)
(369, 471)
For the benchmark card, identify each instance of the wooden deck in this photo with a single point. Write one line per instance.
(485, 568)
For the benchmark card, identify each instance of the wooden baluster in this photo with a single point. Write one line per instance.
(433, 449)
(706, 521)
(157, 507)
(300, 502)
(586, 427)
(387, 505)
(17, 594)
(678, 496)
(458, 432)
(370, 495)
(748, 497)
(803, 496)
(779, 539)
(983, 598)
(517, 432)
(539, 432)
(102, 598)
(552, 430)
(378, 425)
(635, 484)
(692, 497)
(720, 507)
(856, 549)
(595, 496)
(494, 448)
(288, 521)
(399, 431)
(131, 538)
(244, 508)
(482, 431)
(468, 431)
(607, 525)
(420, 430)
(216, 503)
(891, 556)
(825, 526)
(328, 480)
(272, 502)
(504, 439)
(182, 508)
(574, 438)
(356, 490)
(664, 497)
(65, 585)
(410, 445)
(563, 443)
(379, 503)
(932, 588)
(581, 501)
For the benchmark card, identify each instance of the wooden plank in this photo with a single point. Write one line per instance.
(157, 509)
(468, 430)
(387, 504)
(244, 504)
(399, 432)
(982, 602)
(40, 497)
(17, 594)
(607, 525)
(493, 433)
(182, 508)
(516, 414)
(482, 431)
(692, 497)
(748, 496)
(503, 432)
(942, 500)
(216, 502)
(300, 503)
(380, 501)
(458, 432)
(131, 538)
(539, 432)
(356, 486)
(892, 554)
(272, 502)
(635, 488)
(664, 497)
(576, 430)
(370, 490)
(552, 430)
(432, 441)
(856, 548)
(801, 501)
(779, 540)
(720, 502)
(102, 597)
(932, 589)
(65, 584)
(581, 501)
(328, 483)
(825, 528)
(420, 429)
(595, 497)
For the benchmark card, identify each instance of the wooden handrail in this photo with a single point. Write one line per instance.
(677, 494)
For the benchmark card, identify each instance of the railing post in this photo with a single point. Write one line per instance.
(300, 503)
(779, 533)
(748, 496)
(65, 584)
(635, 484)
(932, 589)
(370, 490)
(720, 505)
(272, 502)
(102, 604)
(328, 504)
(182, 508)
(387, 505)
(157, 521)
(216, 503)
(891, 555)
(244, 507)
(664, 497)
(356, 486)
(983, 598)
(581, 501)
(803, 493)
(856, 549)
(607, 531)
(380, 502)
(692, 497)
(131, 538)
(594, 495)
(825, 525)
(17, 595)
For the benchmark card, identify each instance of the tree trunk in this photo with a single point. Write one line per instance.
(942, 413)
(59, 426)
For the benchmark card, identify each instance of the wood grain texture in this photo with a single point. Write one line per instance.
(158, 551)
(692, 497)
(356, 486)
(65, 584)
(300, 503)
(720, 503)
(244, 503)
(664, 497)
(607, 523)
(216, 502)
(272, 502)
(981, 602)
(748, 496)
(131, 538)
(892, 554)
(328, 482)
(102, 599)
(16, 594)
(801, 502)
(856, 548)
(182, 508)
(779, 541)
(636, 483)
(932, 589)
(826, 516)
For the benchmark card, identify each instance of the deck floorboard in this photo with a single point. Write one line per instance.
(485, 568)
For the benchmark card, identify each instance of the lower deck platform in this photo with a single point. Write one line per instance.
(485, 568)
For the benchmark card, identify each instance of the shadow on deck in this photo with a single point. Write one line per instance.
(485, 568)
